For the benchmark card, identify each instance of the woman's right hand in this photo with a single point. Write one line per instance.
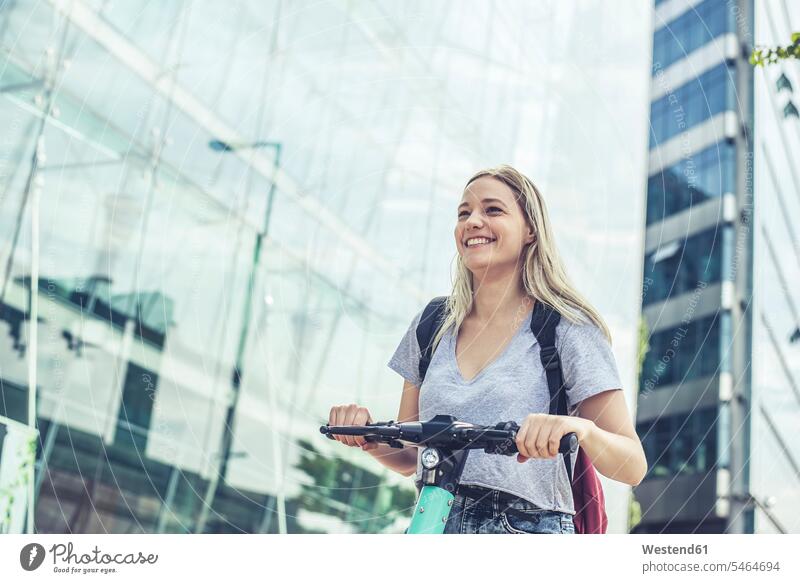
(351, 415)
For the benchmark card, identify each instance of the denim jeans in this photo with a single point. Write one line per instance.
(478, 510)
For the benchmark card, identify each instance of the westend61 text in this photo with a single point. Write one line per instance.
(673, 550)
(65, 555)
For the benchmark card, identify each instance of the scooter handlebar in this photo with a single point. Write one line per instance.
(569, 443)
(508, 446)
(499, 439)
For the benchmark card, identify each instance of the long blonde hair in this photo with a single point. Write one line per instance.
(543, 274)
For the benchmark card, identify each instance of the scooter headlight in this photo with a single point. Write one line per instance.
(430, 458)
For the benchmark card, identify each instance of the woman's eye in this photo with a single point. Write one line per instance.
(488, 210)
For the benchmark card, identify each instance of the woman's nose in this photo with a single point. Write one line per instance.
(474, 218)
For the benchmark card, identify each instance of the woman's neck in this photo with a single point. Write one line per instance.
(499, 298)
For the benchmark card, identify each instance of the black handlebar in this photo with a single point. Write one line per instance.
(444, 431)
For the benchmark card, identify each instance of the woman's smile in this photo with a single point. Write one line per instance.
(478, 242)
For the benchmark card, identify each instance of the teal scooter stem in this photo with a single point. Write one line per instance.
(441, 472)
(447, 443)
(431, 512)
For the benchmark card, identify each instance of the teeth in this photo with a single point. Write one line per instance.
(478, 241)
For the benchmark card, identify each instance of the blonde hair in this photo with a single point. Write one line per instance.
(543, 274)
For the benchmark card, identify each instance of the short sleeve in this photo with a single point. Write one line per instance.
(586, 360)
(405, 360)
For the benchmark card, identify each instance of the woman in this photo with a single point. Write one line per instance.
(486, 369)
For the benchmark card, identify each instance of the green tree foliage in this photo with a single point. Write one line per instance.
(343, 489)
(27, 457)
(763, 56)
(644, 345)
(634, 513)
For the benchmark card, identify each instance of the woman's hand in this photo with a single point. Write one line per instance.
(539, 434)
(351, 415)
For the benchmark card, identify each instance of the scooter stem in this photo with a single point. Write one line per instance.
(439, 482)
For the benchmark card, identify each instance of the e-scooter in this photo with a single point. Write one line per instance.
(447, 442)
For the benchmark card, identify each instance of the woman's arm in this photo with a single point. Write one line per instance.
(611, 441)
(604, 430)
(403, 461)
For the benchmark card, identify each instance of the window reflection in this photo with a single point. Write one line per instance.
(681, 354)
(680, 444)
(699, 99)
(690, 182)
(684, 266)
(691, 30)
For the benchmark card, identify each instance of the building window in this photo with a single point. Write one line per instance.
(693, 180)
(692, 103)
(690, 31)
(13, 400)
(681, 266)
(680, 444)
(681, 354)
(136, 410)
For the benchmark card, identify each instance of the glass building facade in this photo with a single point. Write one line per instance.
(217, 221)
(715, 414)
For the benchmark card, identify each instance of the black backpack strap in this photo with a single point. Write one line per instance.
(543, 325)
(429, 323)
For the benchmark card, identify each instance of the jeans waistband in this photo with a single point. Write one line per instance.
(485, 495)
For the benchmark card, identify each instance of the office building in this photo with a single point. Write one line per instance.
(718, 390)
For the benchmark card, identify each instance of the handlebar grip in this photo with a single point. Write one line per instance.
(343, 430)
(325, 430)
(569, 443)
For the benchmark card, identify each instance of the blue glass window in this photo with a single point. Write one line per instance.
(680, 266)
(680, 444)
(682, 353)
(691, 30)
(695, 179)
(692, 103)
(13, 402)
(136, 412)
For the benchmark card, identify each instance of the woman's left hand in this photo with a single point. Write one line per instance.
(540, 434)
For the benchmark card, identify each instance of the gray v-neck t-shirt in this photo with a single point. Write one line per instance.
(507, 389)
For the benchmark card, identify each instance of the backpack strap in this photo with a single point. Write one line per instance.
(543, 325)
(432, 318)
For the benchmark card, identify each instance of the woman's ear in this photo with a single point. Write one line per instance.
(530, 237)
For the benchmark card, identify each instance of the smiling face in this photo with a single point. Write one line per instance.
(491, 231)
